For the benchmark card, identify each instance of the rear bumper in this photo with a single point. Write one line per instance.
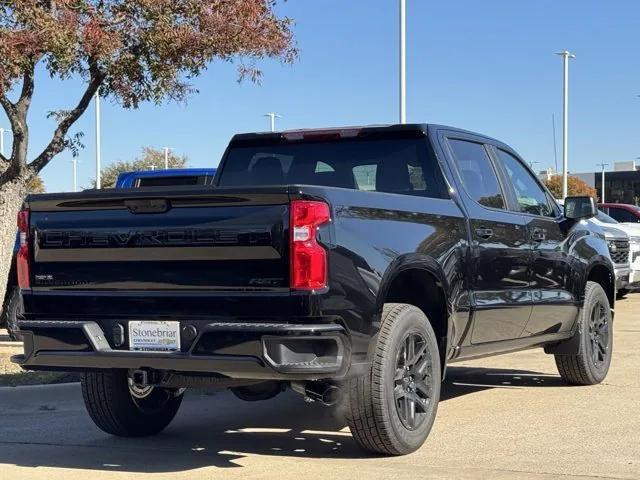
(270, 351)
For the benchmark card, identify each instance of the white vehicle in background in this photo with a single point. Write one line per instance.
(633, 232)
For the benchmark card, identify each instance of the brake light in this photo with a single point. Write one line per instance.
(321, 134)
(308, 258)
(23, 258)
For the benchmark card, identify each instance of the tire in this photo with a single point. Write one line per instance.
(10, 314)
(115, 410)
(595, 329)
(622, 293)
(378, 410)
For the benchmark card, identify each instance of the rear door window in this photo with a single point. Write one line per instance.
(478, 175)
(623, 215)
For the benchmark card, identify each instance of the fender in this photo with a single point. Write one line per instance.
(602, 261)
(427, 264)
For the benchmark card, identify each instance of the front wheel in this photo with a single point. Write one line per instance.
(125, 410)
(595, 329)
(392, 408)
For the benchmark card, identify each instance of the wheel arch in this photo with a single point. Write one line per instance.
(418, 280)
(602, 273)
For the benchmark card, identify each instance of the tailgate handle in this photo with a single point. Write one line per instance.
(147, 205)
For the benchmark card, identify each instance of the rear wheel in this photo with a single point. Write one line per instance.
(11, 313)
(591, 364)
(393, 407)
(120, 408)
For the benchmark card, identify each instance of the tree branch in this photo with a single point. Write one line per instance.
(57, 143)
(26, 94)
(14, 120)
(9, 109)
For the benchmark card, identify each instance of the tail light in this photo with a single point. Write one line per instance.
(23, 258)
(308, 257)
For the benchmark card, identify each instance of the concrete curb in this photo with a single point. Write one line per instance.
(44, 386)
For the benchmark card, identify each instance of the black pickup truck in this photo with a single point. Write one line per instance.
(351, 265)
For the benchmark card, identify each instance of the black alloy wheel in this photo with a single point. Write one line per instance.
(599, 334)
(412, 390)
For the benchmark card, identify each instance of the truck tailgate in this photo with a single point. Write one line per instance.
(159, 239)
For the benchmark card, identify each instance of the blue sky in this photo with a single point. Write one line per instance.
(487, 66)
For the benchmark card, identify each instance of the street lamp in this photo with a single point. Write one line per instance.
(272, 120)
(565, 120)
(166, 158)
(602, 200)
(2, 132)
(98, 167)
(403, 62)
(74, 161)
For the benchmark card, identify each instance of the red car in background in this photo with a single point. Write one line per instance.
(622, 212)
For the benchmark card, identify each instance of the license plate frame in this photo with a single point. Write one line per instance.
(154, 336)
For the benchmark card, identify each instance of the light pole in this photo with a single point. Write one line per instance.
(98, 167)
(531, 164)
(272, 120)
(565, 120)
(2, 132)
(602, 200)
(166, 158)
(555, 146)
(74, 161)
(403, 62)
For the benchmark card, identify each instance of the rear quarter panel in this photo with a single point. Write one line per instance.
(373, 236)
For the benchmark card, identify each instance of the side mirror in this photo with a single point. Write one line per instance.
(578, 208)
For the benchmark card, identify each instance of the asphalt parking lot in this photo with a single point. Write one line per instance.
(503, 417)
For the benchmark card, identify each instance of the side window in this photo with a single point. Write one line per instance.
(479, 177)
(416, 177)
(622, 215)
(365, 176)
(530, 196)
(323, 167)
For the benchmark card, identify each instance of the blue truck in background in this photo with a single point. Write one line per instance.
(147, 178)
(171, 177)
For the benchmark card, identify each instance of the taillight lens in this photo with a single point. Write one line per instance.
(308, 257)
(23, 258)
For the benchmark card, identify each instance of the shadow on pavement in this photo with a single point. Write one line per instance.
(212, 430)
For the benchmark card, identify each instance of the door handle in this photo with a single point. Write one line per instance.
(537, 235)
(485, 233)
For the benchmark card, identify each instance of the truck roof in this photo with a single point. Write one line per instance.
(350, 131)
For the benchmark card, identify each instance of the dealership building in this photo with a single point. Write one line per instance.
(622, 184)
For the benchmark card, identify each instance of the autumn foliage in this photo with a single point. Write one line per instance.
(575, 187)
(132, 51)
